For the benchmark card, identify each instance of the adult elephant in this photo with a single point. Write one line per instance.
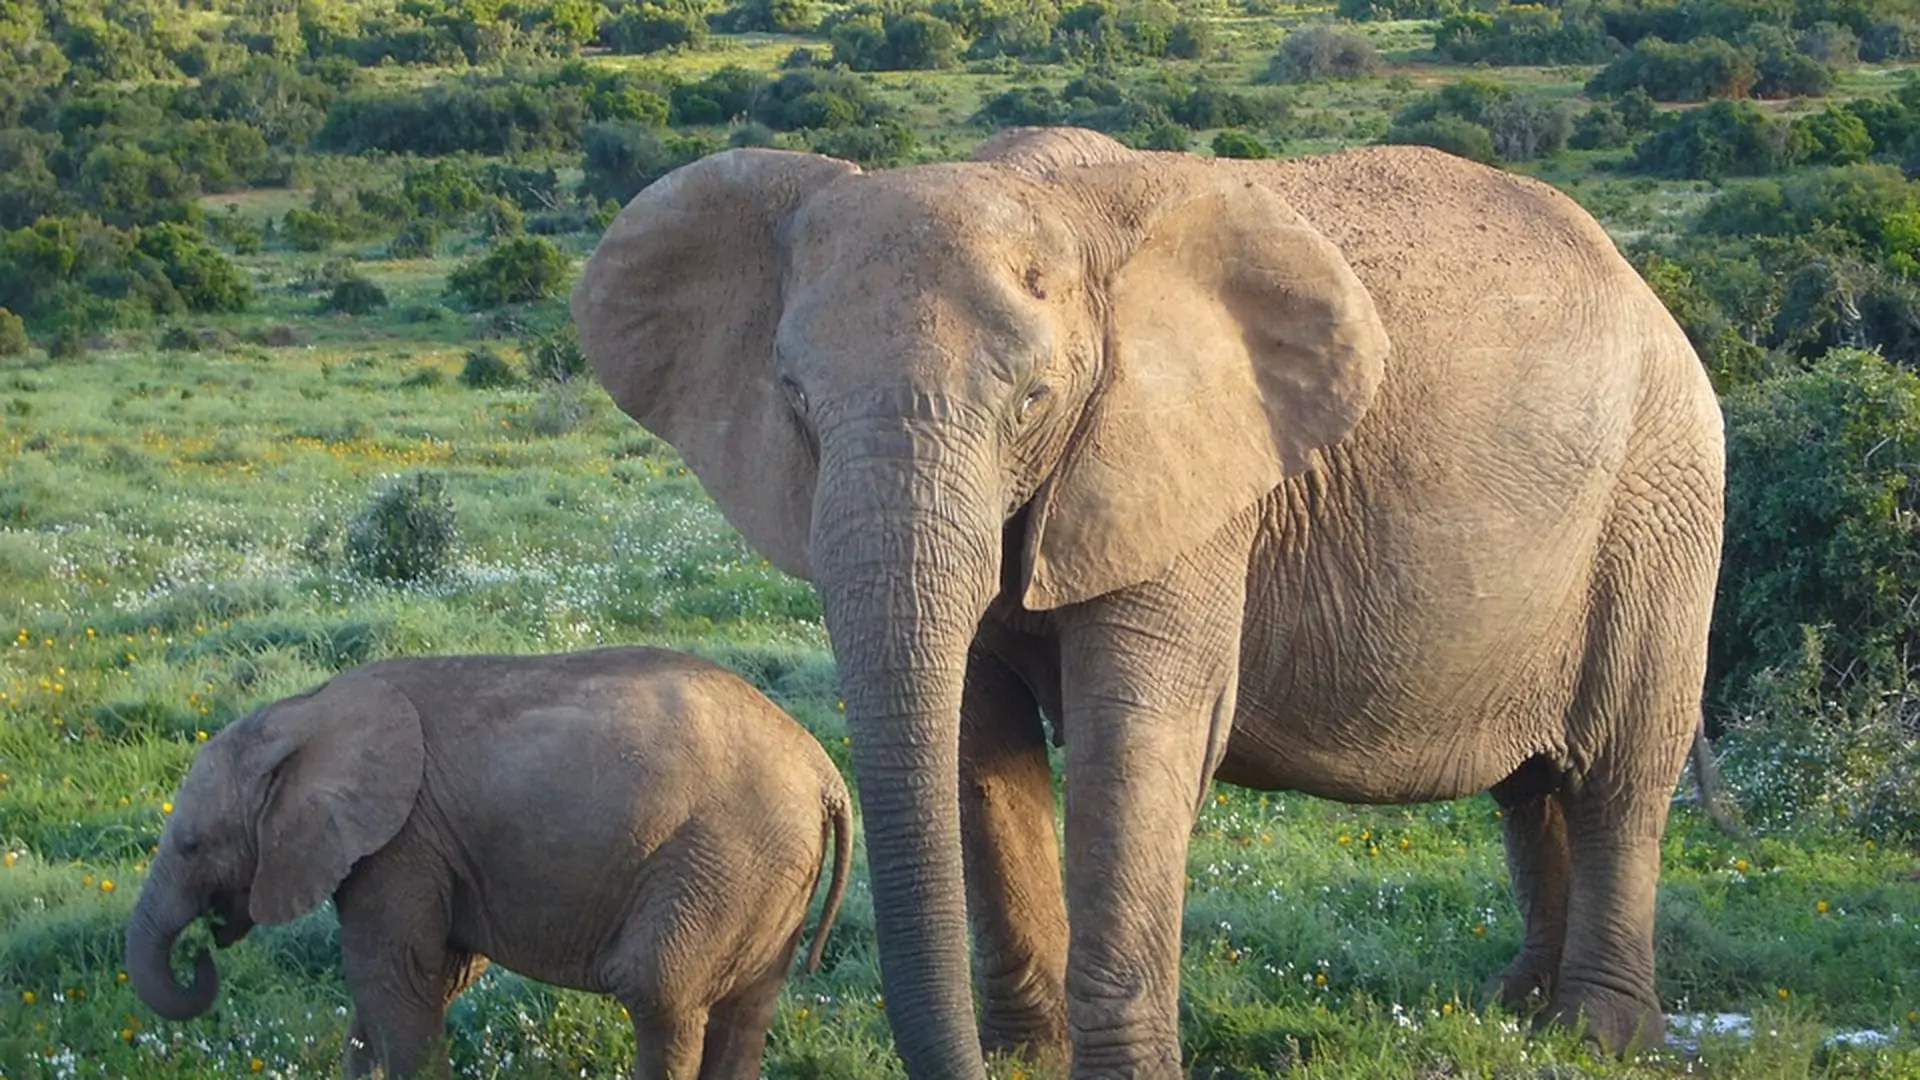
(1379, 476)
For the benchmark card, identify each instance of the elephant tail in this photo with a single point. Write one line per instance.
(839, 807)
(1706, 779)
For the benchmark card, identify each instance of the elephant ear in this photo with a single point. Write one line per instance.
(677, 310)
(1239, 342)
(349, 763)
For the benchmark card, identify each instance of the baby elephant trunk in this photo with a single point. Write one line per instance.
(157, 923)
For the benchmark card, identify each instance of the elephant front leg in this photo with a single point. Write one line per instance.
(1149, 680)
(1012, 865)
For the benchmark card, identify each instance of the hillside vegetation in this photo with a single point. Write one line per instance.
(286, 384)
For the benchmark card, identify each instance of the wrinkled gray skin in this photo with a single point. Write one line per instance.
(633, 822)
(1379, 476)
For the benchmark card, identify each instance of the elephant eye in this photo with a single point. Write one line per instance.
(796, 397)
(1033, 397)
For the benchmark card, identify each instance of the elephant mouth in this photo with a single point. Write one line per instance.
(228, 918)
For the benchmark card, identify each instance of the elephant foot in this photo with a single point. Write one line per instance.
(1525, 986)
(1036, 1037)
(1621, 1023)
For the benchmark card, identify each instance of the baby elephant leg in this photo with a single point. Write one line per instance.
(667, 1041)
(738, 1025)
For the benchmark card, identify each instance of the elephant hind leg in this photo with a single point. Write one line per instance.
(1537, 860)
(1634, 712)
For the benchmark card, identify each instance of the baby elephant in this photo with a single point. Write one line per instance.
(628, 821)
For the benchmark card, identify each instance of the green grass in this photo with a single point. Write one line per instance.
(170, 557)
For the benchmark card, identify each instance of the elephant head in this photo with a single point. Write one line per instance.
(1051, 375)
(274, 812)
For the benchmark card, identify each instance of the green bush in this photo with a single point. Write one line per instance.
(888, 142)
(200, 276)
(622, 159)
(1693, 71)
(556, 356)
(487, 370)
(418, 240)
(1323, 52)
(1239, 144)
(1453, 134)
(1832, 136)
(13, 334)
(1725, 138)
(1815, 634)
(1524, 34)
(405, 534)
(516, 271)
(649, 29)
(355, 296)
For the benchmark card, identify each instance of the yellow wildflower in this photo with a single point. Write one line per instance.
(1344, 840)
(1740, 865)
(1220, 799)
(166, 808)
(1405, 843)
(126, 1034)
(9, 858)
(256, 1065)
(106, 884)
(1319, 978)
(200, 736)
(1480, 930)
(1784, 995)
(1820, 906)
(28, 996)
(1446, 1008)
(122, 977)
(87, 881)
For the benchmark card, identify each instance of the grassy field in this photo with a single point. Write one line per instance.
(170, 557)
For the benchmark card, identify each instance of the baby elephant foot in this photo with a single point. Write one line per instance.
(1525, 986)
(1621, 1023)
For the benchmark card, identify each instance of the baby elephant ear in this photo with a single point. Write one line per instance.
(348, 765)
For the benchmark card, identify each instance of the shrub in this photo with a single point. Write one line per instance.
(308, 230)
(355, 296)
(1239, 144)
(13, 334)
(1832, 137)
(1454, 134)
(1323, 52)
(649, 29)
(556, 356)
(417, 240)
(1693, 71)
(622, 159)
(1813, 622)
(405, 534)
(518, 270)
(1526, 126)
(917, 41)
(1726, 138)
(201, 277)
(886, 143)
(1523, 34)
(487, 370)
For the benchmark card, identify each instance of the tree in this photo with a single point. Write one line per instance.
(1725, 138)
(518, 270)
(1832, 137)
(204, 279)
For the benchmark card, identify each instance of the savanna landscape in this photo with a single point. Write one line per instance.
(288, 383)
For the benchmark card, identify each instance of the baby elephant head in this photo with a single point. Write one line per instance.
(273, 814)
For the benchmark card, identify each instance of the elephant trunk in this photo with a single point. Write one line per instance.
(158, 919)
(905, 552)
